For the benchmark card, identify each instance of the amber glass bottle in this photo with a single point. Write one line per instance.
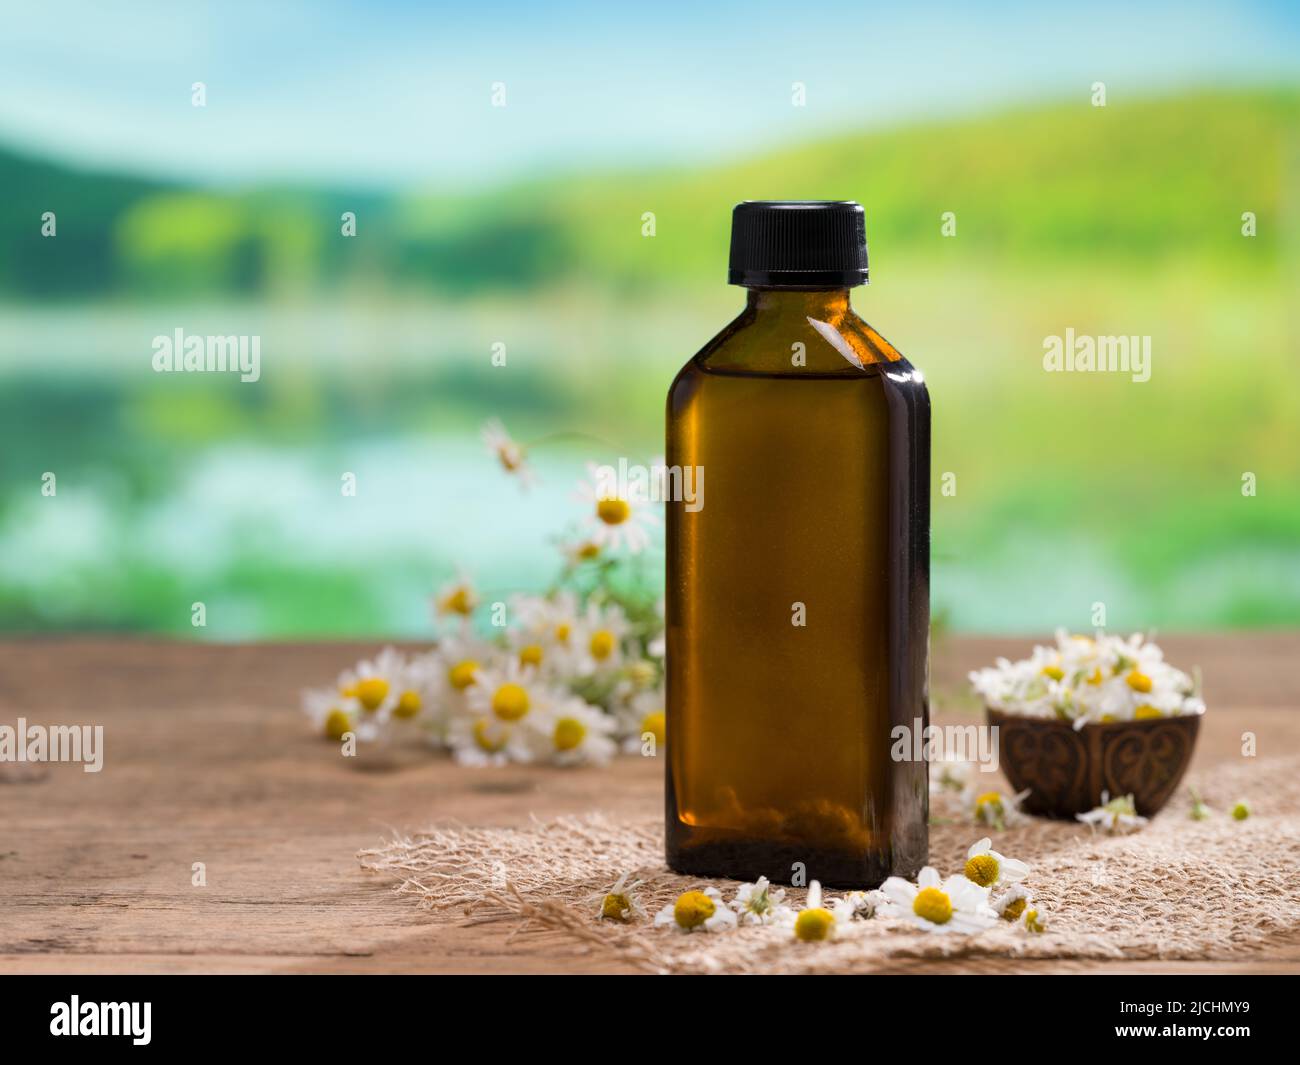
(798, 593)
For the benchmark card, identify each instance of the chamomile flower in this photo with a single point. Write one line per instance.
(550, 622)
(950, 775)
(511, 455)
(1240, 811)
(576, 552)
(506, 692)
(478, 736)
(533, 654)
(761, 903)
(615, 518)
(642, 720)
(332, 713)
(454, 663)
(1115, 816)
(1033, 921)
(935, 905)
(456, 599)
(639, 675)
(858, 905)
(385, 691)
(993, 808)
(620, 902)
(572, 732)
(502, 719)
(814, 922)
(598, 640)
(444, 674)
(544, 635)
(482, 740)
(419, 697)
(1009, 903)
(987, 868)
(698, 911)
(372, 681)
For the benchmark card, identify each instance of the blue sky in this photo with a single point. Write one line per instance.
(400, 93)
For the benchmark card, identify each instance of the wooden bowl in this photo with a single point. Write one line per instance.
(1066, 769)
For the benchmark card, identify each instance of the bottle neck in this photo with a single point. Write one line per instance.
(824, 305)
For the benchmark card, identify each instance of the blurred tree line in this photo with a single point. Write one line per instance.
(1139, 182)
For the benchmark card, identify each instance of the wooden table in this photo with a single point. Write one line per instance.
(207, 759)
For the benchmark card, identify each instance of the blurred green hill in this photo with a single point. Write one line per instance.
(1140, 182)
(1134, 182)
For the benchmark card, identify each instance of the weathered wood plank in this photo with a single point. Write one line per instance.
(207, 760)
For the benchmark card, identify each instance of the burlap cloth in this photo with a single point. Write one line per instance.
(1177, 889)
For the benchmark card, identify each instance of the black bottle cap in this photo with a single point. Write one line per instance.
(798, 244)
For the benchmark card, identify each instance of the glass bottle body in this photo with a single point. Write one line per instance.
(798, 600)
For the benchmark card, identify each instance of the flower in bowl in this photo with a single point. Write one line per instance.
(1092, 715)
(1086, 679)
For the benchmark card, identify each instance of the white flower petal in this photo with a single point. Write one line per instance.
(1013, 870)
(899, 891)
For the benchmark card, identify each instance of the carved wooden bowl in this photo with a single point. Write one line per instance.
(1067, 769)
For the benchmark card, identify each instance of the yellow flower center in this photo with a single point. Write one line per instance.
(588, 551)
(933, 905)
(601, 644)
(1032, 922)
(813, 925)
(991, 799)
(458, 601)
(486, 739)
(1138, 681)
(1107, 719)
(642, 674)
(1146, 710)
(616, 907)
(562, 631)
(613, 511)
(461, 675)
(1095, 676)
(530, 655)
(1055, 672)
(1013, 910)
(1240, 811)
(371, 692)
(569, 733)
(337, 723)
(983, 869)
(408, 704)
(510, 702)
(656, 724)
(692, 909)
